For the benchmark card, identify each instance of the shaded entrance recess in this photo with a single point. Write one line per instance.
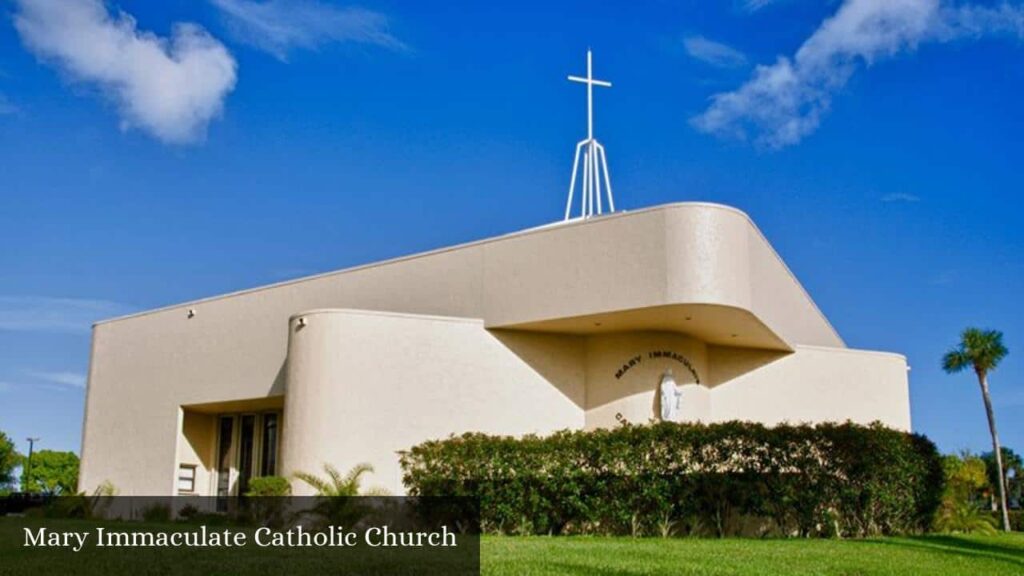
(247, 447)
(227, 444)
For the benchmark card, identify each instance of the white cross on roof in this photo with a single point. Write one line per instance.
(595, 163)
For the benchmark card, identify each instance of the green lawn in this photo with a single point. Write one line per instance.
(934, 555)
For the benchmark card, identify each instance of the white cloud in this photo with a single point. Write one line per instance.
(171, 88)
(900, 197)
(279, 26)
(68, 379)
(785, 101)
(714, 53)
(65, 315)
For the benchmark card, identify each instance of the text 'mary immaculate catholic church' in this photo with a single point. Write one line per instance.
(678, 312)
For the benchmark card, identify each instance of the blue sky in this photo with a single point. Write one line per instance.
(153, 153)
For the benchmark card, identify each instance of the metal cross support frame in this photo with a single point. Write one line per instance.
(595, 162)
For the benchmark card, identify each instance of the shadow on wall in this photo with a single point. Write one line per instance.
(558, 358)
(727, 363)
(278, 385)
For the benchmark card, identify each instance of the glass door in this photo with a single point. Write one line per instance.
(268, 454)
(247, 447)
(246, 452)
(225, 437)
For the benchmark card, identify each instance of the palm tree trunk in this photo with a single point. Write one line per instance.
(983, 380)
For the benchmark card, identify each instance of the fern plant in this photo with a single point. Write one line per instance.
(337, 484)
(337, 503)
(964, 517)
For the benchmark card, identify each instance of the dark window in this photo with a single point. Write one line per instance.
(227, 426)
(246, 447)
(269, 456)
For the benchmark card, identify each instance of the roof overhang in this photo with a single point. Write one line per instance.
(712, 323)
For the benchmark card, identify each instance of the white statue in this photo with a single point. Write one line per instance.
(670, 395)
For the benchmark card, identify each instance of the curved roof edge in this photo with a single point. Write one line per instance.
(484, 241)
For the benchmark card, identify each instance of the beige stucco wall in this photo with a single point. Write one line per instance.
(197, 447)
(615, 388)
(364, 385)
(697, 268)
(813, 384)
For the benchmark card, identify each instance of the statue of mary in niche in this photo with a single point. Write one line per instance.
(670, 397)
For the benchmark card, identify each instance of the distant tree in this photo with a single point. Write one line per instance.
(9, 460)
(981, 351)
(966, 480)
(1013, 471)
(53, 472)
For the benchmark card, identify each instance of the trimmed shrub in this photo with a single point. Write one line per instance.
(718, 479)
(269, 486)
(158, 512)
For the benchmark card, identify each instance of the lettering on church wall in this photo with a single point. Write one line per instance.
(634, 361)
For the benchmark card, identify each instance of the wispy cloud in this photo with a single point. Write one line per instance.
(279, 26)
(900, 197)
(714, 53)
(169, 87)
(65, 379)
(57, 381)
(65, 315)
(785, 101)
(755, 5)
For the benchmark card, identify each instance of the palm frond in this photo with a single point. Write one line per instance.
(955, 361)
(336, 484)
(336, 481)
(314, 481)
(979, 349)
(357, 472)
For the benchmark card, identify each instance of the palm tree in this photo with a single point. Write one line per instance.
(982, 350)
(337, 504)
(336, 484)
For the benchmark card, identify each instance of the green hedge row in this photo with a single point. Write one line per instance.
(1016, 520)
(664, 479)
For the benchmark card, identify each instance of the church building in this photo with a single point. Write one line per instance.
(678, 312)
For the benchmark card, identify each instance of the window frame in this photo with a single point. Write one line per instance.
(191, 480)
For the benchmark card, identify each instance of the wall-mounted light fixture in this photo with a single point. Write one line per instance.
(301, 322)
(191, 313)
